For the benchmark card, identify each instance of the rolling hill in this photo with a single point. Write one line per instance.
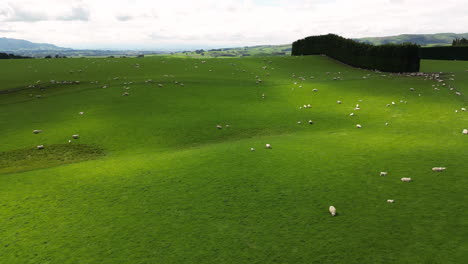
(162, 170)
(15, 45)
(439, 39)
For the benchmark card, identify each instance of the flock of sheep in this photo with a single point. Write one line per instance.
(258, 80)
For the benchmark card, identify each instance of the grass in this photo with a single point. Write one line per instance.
(54, 155)
(174, 189)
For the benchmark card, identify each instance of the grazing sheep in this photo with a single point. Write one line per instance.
(125, 94)
(465, 131)
(386, 123)
(252, 149)
(383, 173)
(76, 136)
(358, 126)
(299, 122)
(406, 179)
(338, 102)
(228, 126)
(390, 201)
(268, 146)
(36, 131)
(332, 210)
(315, 90)
(411, 89)
(309, 106)
(40, 147)
(463, 109)
(438, 169)
(219, 126)
(352, 114)
(311, 122)
(81, 113)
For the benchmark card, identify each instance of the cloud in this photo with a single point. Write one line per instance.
(77, 14)
(6, 31)
(149, 23)
(124, 17)
(19, 14)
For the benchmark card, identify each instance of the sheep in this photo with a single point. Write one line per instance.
(268, 146)
(352, 114)
(299, 122)
(390, 201)
(125, 94)
(315, 90)
(219, 126)
(311, 122)
(406, 179)
(338, 102)
(465, 131)
(309, 106)
(386, 123)
(76, 136)
(438, 169)
(36, 131)
(411, 89)
(252, 149)
(40, 147)
(228, 126)
(358, 126)
(463, 109)
(81, 113)
(332, 210)
(383, 173)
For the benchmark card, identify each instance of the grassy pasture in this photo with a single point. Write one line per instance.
(160, 184)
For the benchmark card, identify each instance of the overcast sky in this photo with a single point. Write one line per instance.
(151, 24)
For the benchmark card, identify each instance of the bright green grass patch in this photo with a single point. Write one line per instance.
(54, 155)
(174, 189)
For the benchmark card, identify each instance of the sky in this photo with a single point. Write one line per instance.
(174, 24)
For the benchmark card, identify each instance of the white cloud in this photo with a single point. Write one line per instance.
(213, 23)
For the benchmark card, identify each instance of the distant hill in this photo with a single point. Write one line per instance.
(440, 39)
(9, 44)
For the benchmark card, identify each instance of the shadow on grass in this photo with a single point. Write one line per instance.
(53, 155)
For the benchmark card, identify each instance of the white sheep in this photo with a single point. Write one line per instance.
(383, 173)
(406, 179)
(311, 122)
(81, 113)
(338, 102)
(332, 210)
(358, 126)
(40, 147)
(252, 149)
(36, 131)
(315, 90)
(219, 126)
(463, 109)
(268, 146)
(299, 122)
(465, 131)
(352, 114)
(390, 201)
(76, 136)
(438, 169)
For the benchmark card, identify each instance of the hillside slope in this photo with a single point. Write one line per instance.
(151, 179)
(9, 44)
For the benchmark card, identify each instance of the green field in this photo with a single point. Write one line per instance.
(152, 180)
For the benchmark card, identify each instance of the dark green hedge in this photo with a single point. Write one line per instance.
(11, 56)
(389, 57)
(444, 53)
